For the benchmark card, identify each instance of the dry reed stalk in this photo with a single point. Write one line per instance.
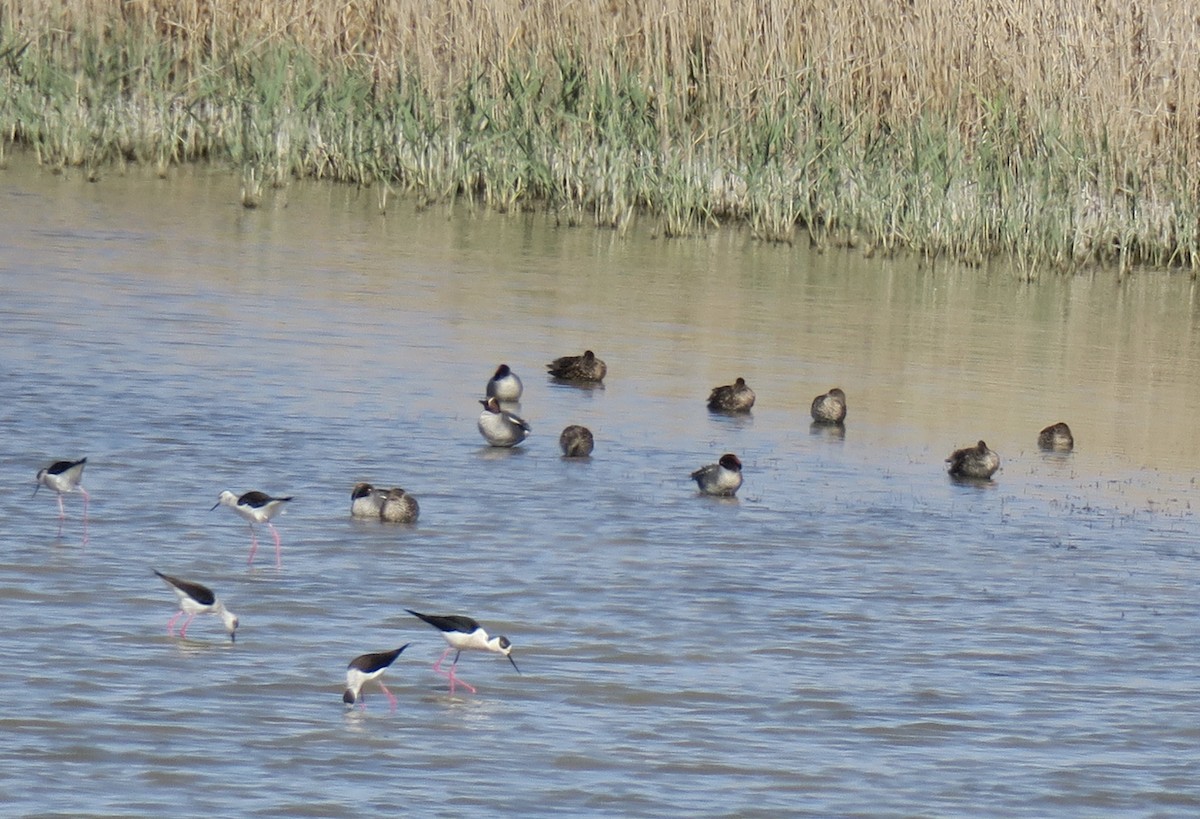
(894, 59)
(1100, 99)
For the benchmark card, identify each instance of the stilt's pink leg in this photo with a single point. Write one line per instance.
(437, 668)
(253, 546)
(62, 511)
(454, 679)
(186, 623)
(171, 623)
(278, 550)
(391, 698)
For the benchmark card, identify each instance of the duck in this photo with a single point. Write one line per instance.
(501, 427)
(576, 441)
(722, 478)
(977, 462)
(505, 385)
(1056, 437)
(584, 367)
(830, 408)
(735, 397)
(365, 501)
(399, 507)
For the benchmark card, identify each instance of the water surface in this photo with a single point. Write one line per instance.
(854, 635)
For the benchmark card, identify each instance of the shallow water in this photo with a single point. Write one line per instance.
(854, 635)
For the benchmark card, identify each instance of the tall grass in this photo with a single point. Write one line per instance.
(1054, 132)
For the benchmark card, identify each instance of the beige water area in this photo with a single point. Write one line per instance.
(932, 355)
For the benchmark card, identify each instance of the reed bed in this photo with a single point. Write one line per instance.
(1054, 133)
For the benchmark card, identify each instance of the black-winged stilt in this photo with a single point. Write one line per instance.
(197, 599)
(64, 477)
(256, 507)
(463, 634)
(366, 667)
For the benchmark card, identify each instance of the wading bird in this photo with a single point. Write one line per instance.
(256, 507)
(463, 634)
(197, 599)
(367, 667)
(64, 477)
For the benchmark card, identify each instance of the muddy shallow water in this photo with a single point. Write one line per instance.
(854, 634)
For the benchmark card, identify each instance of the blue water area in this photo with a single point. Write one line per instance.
(853, 634)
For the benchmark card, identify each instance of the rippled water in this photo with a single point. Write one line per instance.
(855, 634)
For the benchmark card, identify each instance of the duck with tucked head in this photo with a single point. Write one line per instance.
(576, 441)
(723, 478)
(399, 507)
(501, 427)
(1057, 438)
(735, 397)
(365, 501)
(585, 368)
(976, 462)
(505, 385)
(830, 408)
